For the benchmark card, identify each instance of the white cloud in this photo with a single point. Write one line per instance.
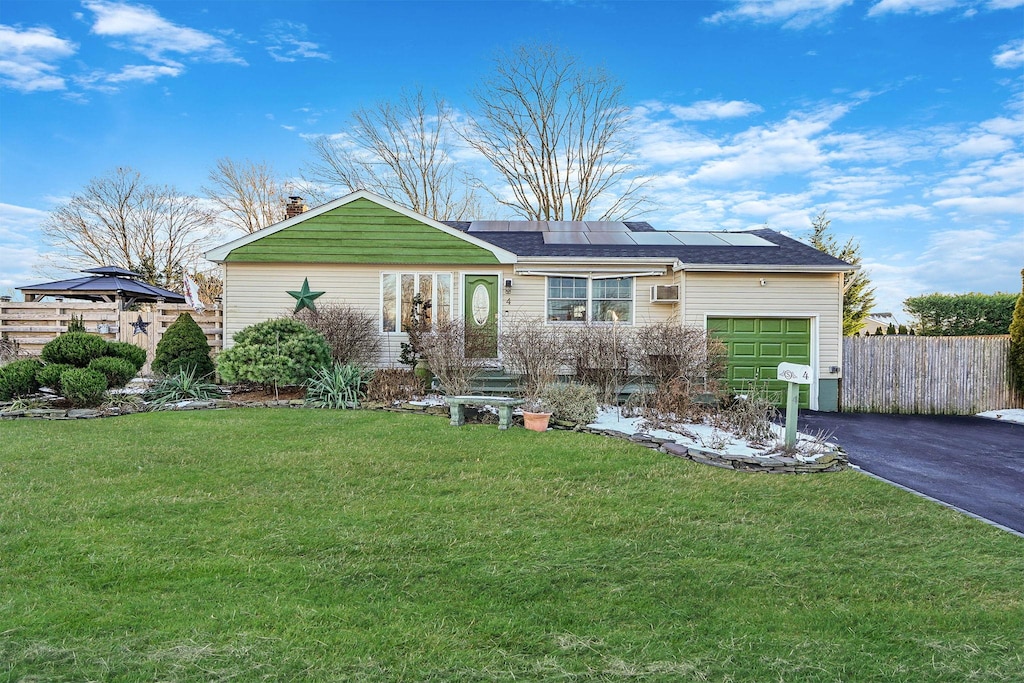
(28, 58)
(149, 34)
(915, 6)
(708, 110)
(983, 144)
(288, 42)
(146, 73)
(795, 14)
(1010, 55)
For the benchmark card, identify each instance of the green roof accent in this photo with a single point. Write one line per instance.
(361, 232)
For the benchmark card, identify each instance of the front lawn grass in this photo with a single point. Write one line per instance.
(316, 545)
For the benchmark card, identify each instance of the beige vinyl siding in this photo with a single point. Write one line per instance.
(255, 292)
(529, 293)
(785, 295)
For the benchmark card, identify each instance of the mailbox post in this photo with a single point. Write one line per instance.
(794, 375)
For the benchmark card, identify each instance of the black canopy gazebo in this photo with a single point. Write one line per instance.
(109, 284)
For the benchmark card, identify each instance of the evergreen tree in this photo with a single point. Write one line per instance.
(1017, 341)
(859, 295)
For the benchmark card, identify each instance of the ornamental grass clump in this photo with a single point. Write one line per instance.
(338, 387)
(183, 386)
(83, 387)
(183, 346)
(19, 378)
(281, 352)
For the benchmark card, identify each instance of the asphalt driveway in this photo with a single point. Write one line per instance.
(973, 463)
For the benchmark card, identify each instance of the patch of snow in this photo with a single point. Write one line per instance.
(709, 438)
(1006, 415)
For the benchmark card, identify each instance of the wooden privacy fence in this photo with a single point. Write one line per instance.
(31, 325)
(940, 375)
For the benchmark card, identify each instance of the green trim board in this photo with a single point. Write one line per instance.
(756, 346)
(361, 231)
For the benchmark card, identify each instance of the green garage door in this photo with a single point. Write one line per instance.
(757, 346)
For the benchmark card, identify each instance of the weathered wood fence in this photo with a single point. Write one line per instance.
(939, 375)
(31, 325)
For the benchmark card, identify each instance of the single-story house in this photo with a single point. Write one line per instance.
(771, 298)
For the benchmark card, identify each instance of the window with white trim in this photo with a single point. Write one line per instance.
(397, 294)
(581, 299)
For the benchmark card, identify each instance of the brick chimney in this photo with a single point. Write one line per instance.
(294, 207)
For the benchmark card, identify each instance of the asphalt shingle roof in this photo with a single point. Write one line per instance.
(786, 252)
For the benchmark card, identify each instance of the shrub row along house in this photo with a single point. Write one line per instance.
(769, 297)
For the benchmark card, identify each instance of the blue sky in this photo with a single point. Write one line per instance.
(903, 118)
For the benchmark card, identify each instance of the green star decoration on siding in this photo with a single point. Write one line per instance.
(305, 298)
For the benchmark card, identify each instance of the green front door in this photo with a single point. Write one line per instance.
(480, 311)
(757, 346)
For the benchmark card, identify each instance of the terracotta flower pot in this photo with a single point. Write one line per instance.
(537, 422)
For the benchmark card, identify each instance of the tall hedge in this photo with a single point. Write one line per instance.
(183, 347)
(957, 315)
(1017, 340)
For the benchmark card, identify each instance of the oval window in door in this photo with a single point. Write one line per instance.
(481, 304)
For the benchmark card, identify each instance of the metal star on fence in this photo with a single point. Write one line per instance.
(140, 326)
(305, 298)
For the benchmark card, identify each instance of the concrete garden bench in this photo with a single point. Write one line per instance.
(503, 404)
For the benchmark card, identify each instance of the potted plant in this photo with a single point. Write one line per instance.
(536, 415)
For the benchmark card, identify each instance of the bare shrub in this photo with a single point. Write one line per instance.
(445, 351)
(683, 365)
(390, 385)
(601, 356)
(750, 415)
(533, 351)
(9, 349)
(350, 332)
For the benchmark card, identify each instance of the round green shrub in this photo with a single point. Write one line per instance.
(49, 375)
(118, 371)
(19, 378)
(136, 355)
(75, 348)
(85, 388)
(183, 347)
(281, 351)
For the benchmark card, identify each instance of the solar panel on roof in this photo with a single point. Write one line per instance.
(565, 238)
(741, 239)
(488, 226)
(654, 238)
(567, 226)
(606, 226)
(618, 238)
(698, 239)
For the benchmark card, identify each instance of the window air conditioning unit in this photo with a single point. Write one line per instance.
(664, 294)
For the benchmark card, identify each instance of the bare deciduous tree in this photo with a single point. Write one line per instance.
(121, 220)
(557, 133)
(247, 194)
(401, 150)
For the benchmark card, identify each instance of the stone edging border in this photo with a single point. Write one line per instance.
(834, 461)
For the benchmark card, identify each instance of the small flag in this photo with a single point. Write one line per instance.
(192, 294)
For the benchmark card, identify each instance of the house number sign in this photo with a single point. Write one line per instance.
(797, 374)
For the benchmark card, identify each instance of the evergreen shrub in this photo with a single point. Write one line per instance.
(85, 388)
(136, 355)
(183, 347)
(118, 371)
(19, 378)
(275, 352)
(75, 348)
(49, 375)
